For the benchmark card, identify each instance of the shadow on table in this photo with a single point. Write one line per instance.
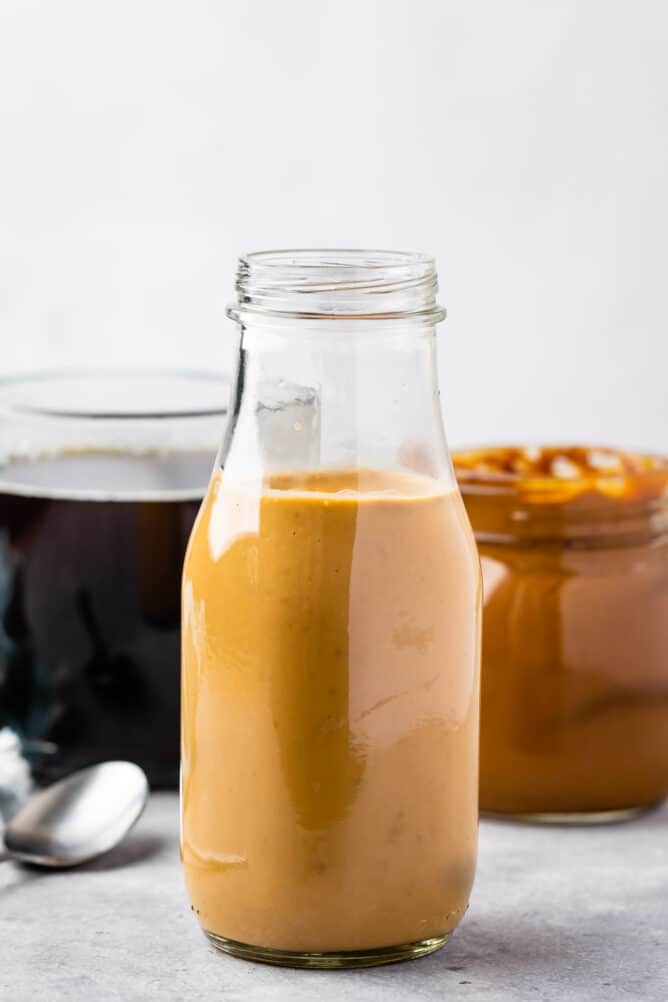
(19, 876)
(520, 957)
(516, 959)
(136, 848)
(520, 946)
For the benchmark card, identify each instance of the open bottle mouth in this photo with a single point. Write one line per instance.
(343, 284)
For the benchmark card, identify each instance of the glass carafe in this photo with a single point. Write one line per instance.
(101, 477)
(331, 618)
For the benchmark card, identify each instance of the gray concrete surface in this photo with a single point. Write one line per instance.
(557, 914)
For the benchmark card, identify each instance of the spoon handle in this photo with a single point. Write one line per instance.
(4, 856)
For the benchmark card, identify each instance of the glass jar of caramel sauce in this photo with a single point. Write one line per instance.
(574, 550)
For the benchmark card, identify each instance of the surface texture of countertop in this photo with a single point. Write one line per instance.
(556, 914)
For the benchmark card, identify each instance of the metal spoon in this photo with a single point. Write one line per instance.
(78, 818)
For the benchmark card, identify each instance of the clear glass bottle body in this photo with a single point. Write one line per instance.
(331, 609)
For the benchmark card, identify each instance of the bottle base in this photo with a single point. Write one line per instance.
(569, 817)
(328, 961)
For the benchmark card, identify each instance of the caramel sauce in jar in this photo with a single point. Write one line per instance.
(574, 551)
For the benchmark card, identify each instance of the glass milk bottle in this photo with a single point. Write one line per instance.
(331, 623)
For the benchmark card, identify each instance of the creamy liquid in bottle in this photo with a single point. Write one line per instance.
(329, 708)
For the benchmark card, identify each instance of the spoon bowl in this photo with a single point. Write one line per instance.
(78, 818)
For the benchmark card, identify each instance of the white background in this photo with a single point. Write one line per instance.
(525, 144)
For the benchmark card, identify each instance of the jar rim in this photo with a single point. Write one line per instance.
(612, 472)
(114, 394)
(337, 284)
(601, 507)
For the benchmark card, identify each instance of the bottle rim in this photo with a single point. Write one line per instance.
(325, 285)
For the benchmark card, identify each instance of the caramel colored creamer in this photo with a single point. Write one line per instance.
(574, 550)
(330, 722)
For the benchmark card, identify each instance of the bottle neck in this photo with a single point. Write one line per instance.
(309, 398)
(337, 365)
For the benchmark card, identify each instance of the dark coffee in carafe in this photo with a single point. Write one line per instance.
(91, 549)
